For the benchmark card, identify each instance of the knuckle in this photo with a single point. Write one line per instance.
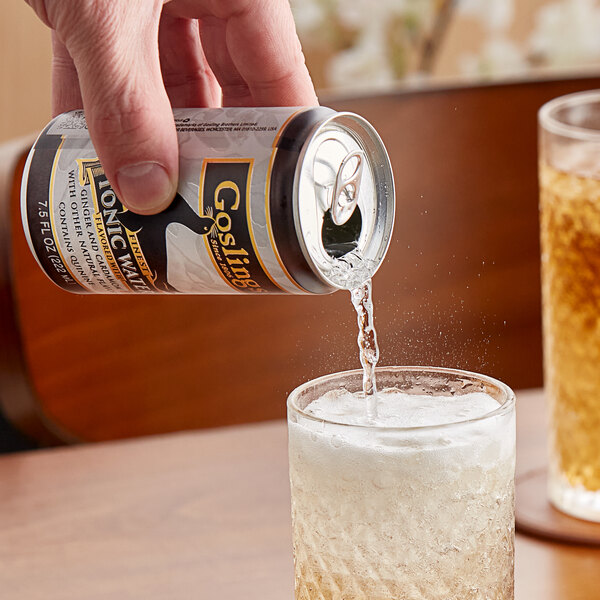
(39, 7)
(187, 79)
(96, 23)
(128, 125)
(238, 93)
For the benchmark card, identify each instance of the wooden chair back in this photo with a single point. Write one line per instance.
(459, 287)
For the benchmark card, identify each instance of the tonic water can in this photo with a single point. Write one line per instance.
(270, 201)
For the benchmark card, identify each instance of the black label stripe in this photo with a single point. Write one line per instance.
(281, 198)
(111, 212)
(39, 218)
(225, 198)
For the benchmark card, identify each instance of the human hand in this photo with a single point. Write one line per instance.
(127, 62)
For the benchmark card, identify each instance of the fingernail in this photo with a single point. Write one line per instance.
(145, 187)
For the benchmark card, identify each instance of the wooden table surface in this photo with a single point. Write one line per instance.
(199, 515)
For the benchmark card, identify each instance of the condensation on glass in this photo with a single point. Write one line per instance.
(387, 511)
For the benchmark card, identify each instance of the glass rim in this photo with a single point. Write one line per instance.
(550, 123)
(504, 408)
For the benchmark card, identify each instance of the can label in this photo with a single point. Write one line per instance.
(215, 238)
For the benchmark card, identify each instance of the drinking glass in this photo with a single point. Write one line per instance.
(389, 512)
(569, 174)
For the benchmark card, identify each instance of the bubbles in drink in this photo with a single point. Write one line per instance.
(398, 409)
(570, 235)
(352, 272)
(367, 343)
(390, 513)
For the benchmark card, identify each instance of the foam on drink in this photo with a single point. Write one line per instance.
(416, 410)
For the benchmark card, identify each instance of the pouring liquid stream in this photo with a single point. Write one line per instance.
(367, 343)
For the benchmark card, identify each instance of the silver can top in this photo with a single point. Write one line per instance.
(344, 200)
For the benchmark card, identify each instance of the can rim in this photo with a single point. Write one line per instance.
(360, 125)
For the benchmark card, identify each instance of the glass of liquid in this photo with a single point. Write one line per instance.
(413, 500)
(569, 174)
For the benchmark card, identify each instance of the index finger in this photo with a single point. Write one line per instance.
(258, 38)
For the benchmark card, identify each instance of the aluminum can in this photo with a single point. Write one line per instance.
(269, 201)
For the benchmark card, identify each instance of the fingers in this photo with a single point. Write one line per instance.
(65, 82)
(253, 50)
(187, 76)
(111, 47)
(114, 47)
(236, 91)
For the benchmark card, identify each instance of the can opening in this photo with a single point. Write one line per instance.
(338, 240)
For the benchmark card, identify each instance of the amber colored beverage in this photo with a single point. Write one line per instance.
(570, 233)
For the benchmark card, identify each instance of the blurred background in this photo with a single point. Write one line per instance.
(25, 60)
(361, 46)
(453, 87)
(358, 44)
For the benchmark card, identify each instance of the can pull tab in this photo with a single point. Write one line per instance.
(347, 186)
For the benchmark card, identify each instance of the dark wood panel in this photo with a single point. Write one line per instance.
(18, 401)
(460, 287)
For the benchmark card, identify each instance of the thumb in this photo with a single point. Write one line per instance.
(114, 46)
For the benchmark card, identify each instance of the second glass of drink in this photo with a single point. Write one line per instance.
(570, 235)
